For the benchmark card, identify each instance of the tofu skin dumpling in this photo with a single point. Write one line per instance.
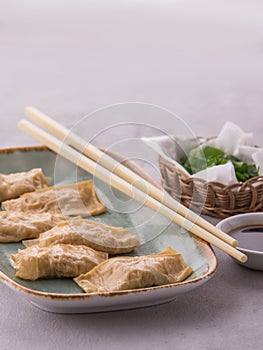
(16, 226)
(60, 260)
(73, 199)
(113, 240)
(124, 273)
(13, 185)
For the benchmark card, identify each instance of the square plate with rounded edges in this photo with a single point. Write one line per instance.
(154, 231)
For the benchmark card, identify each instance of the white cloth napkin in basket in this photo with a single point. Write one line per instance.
(231, 139)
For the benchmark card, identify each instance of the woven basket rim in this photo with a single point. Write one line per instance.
(214, 198)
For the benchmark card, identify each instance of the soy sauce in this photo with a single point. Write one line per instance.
(249, 237)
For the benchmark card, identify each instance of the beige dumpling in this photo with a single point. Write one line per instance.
(16, 226)
(13, 185)
(113, 240)
(73, 199)
(123, 273)
(60, 260)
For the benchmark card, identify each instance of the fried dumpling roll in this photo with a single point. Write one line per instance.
(16, 226)
(113, 240)
(123, 273)
(60, 260)
(13, 185)
(73, 199)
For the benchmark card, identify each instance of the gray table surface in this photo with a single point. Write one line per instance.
(203, 60)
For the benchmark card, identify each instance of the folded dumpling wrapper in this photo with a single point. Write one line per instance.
(13, 185)
(16, 226)
(124, 273)
(73, 199)
(60, 260)
(231, 139)
(113, 240)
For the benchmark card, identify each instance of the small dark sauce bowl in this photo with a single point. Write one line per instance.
(248, 230)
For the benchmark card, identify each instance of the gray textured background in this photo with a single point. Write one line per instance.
(203, 60)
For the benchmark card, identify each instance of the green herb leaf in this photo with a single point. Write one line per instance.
(199, 159)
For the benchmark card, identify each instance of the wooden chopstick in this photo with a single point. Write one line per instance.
(113, 180)
(114, 166)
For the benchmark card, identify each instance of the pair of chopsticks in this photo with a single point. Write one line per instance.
(107, 169)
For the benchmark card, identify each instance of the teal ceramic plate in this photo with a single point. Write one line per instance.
(154, 232)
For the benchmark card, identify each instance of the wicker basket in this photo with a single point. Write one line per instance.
(212, 198)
